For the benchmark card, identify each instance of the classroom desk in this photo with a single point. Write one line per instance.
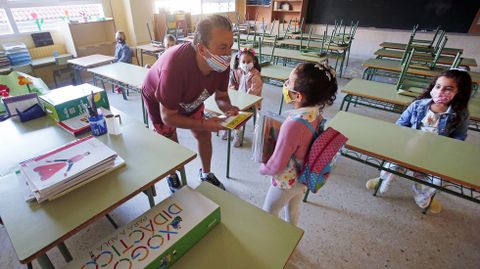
(35, 228)
(445, 60)
(373, 65)
(277, 73)
(247, 237)
(47, 60)
(385, 97)
(401, 46)
(148, 49)
(126, 76)
(239, 99)
(455, 162)
(285, 54)
(83, 63)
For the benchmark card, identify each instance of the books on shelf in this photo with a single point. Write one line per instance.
(58, 171)
(17, 53)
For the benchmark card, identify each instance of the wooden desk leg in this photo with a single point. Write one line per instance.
(183, 176)
(45, 262)
(64, 251)
(141, 55)
(228, 152)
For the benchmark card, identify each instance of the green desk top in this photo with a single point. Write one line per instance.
(312, 44)
(91, 60)
(239, 99)
(34, 228)
(277, 72)
(376, 90)
(286, 53)
(401, 46)
(247, 237)
(395, 66)
(387, 93)
(441, 156)
(130, 74)
(47, 60)
(446, 60)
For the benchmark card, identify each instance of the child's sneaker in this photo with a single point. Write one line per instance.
(422, 197)
(386, 184)
(435, 206)
(237, 138)
(224, 135)
(174, 183)
(372, 183)
(212, 179)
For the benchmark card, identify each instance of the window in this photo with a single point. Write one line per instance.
(5, 27)
(23, 16)
(29, 19)
(196, 7)
(214, 6)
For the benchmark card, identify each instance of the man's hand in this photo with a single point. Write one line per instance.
(212, 124)
(223, 102)
(230, 110)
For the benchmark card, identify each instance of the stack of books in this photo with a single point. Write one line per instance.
(59, 171)
(17, 53)
(4, 61)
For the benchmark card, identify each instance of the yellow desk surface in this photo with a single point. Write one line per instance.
(401, 46)
(35, 228)
(445, 157)
(446, 60)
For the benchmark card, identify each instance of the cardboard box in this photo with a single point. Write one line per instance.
(65, 103)
(158, 238)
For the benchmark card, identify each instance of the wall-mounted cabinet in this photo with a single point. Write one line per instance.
(277, 10)
(83, 39)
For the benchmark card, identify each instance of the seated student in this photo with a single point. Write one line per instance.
(245, 76)
(169, 41)
(122, 50)
(442, 109)
(310, 87)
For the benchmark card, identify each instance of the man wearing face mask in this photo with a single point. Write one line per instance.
(182, 79)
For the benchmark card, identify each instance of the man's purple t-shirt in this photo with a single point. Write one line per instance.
(177, 83)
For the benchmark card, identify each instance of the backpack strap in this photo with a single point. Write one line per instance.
(316, 133)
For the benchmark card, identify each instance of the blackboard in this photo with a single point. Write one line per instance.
(452, 15)
(42, 39)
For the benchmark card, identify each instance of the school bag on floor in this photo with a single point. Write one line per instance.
(321, 156)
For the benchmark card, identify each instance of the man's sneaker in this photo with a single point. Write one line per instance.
(212, 179)
(173, 183)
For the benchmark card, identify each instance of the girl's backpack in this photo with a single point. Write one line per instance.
(321, 156)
